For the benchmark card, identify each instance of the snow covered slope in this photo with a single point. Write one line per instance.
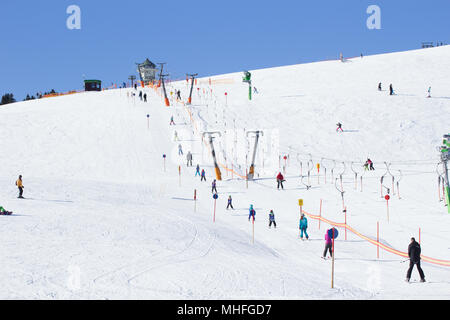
(104, 218)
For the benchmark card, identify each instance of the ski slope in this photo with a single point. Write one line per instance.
(105, 218)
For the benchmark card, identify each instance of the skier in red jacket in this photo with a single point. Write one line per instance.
(280, 180)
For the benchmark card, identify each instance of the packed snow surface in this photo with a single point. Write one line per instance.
(105, 216)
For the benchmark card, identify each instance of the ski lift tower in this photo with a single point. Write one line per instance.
(252, 166)
(166, 99)
(445, 156)
(247, 78)
(161, 64)
(192, 76)
(213, 152)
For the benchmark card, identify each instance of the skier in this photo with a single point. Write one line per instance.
(414, 259)
(213, 186)
(255, 90)
(370, 164)
(339, 127)
(171, 121)
(280, 180)
(135, 86)
(145, 97)
(179, 94)
(252, 213)
(272, 219)
(19, 185)
(203, 175)
(4, 212)
(230, 204)
(328, 245)
(175, 136)
(180, 149)
(303, 225)
(197, 172)
(366, 166)
(189, 158)
(391, 90)
(379, 86)
(429, 92)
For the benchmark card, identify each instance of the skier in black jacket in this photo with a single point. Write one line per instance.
(414, 259)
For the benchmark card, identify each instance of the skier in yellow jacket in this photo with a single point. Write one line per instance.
(19, 185)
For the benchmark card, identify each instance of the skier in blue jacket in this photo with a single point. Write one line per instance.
(303, 225)
(272, 219)
(252, 213)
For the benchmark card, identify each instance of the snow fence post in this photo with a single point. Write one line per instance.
(215, 196)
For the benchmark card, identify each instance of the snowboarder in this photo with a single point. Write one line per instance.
(272, 219)
(252, 213)
(19, 185)
(180, 149)
(391, 90)
(203, 175)
(339, 127)
(197, 171)
(379, 86)
(4, 212)
(280, 180)
(213, 186)
(328, 245)
(230, 204)
(189, 158)
(303, 225)
(414, 259)
(370, 163)
(171, 121)
(145, 97)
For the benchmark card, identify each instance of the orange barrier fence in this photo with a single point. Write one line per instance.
(445, 263)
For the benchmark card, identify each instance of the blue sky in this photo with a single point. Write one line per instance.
(39, 52)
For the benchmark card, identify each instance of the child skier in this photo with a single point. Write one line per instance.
(230, 203)
(203, 177)
(366, 166)
(252, 213)
(213, 186)
(303, 225)
(19, 185)
(197, 171)
(272, 219)
(280, 180)
(328, 245)
(370, 164)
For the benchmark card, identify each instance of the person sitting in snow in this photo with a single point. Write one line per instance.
(4, 212)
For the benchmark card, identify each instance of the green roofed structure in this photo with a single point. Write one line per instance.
(92, 85)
